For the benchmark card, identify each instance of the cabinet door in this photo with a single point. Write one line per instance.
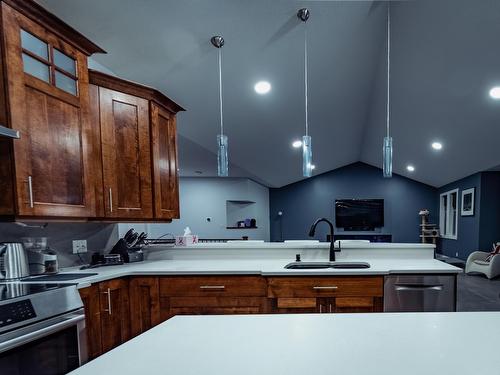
(48, 100)
(126, 157)
(165, 176)
(91, 304)
(357, 304)
(144, 304)
(300, 305)
(115, 313)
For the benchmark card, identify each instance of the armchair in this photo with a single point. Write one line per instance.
(476, 262)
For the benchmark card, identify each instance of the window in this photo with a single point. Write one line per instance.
(448, 214)
(43, 61)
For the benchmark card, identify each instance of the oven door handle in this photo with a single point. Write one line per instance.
(42, 332)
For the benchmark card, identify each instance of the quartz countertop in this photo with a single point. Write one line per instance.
(314, 344)
(268, 259)
(274, 267)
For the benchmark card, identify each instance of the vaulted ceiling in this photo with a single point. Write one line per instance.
(445, 58)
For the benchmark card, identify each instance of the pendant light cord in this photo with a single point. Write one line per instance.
(220, 91)
(306, 79)
(388, 66)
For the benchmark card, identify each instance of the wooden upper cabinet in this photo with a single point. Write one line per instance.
(126, 155)
(137, 158)
(45, 97)
(164, 147)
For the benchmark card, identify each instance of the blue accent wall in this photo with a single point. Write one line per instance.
(489, 230)
(468, 226)
(307, 200)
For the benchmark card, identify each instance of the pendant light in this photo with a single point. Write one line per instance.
(387, 148)
(307, 166)
(222, 143)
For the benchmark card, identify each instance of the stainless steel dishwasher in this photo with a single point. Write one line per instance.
(420, 293)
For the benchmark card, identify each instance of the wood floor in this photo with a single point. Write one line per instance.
(477, 293)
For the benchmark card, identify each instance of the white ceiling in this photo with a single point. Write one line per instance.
(445, 58)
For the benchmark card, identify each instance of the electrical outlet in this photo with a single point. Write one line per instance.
(79, 246)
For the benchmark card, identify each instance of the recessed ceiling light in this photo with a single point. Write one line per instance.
(410, 168)
(262, 87)
(495, 92)
(297, 144)
(437, 145)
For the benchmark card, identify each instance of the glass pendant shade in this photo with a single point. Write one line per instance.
(306, 156)
(387, 154)
(222, 160)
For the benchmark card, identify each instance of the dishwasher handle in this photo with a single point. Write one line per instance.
(416, 287)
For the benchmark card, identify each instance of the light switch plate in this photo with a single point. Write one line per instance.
(79, 246)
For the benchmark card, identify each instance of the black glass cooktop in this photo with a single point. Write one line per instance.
(10, 290)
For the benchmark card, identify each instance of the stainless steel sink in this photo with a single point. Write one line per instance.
(319, 265)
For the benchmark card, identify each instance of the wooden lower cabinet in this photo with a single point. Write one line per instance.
(119, 309)
(90, 297)
(144, 304)
(107, 315)
(343, 294)
(210, 295)
(115, 313)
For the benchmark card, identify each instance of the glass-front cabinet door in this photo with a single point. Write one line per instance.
(49, 104)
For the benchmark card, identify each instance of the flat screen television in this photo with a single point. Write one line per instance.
(359, 214)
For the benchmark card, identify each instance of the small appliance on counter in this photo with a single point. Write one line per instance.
(130, 247)
(13, 261)
(42, 260)
(100, 260)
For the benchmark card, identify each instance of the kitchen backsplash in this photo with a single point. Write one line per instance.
(99, 236)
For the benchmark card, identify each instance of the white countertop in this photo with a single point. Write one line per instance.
(268, 260)
(326, 344)
(273, 267)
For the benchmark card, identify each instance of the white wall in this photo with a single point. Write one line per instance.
(201, 198)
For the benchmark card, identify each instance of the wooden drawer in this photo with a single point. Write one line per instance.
(207, 286)
(303, 287)
(213, 305)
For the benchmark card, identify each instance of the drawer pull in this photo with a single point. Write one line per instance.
(108, 292)
(332, 287)
(212, 287)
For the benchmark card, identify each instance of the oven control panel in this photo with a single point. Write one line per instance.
(16, 312)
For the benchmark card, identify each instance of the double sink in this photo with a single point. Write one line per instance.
(319, 265)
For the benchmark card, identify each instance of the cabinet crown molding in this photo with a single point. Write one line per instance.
(40, 15)
(133, 88)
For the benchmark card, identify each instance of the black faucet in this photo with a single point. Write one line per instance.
(332, 239)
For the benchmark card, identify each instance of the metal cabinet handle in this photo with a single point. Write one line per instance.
(212, 287)
(332, 287)
(110, 200)
(418, 287)
(330, 308)
(109, 301)
(320, 309)
(30, 190)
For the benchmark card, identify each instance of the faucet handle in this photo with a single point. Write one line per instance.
(297, 257)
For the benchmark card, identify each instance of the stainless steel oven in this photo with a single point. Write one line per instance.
(44, 333)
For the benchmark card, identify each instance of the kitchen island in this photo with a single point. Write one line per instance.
(347, 344)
